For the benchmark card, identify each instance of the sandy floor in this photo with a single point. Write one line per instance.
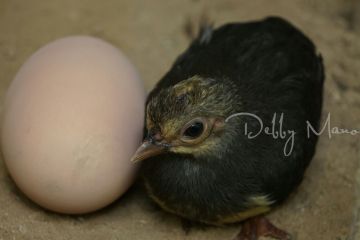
(150, 33)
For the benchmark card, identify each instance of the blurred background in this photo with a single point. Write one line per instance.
(151, 34)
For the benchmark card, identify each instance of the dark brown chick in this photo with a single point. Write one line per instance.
(201, 161)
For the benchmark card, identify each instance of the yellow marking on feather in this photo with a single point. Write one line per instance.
(158, 200)
(237, 217)
(257, 205)
(260, 201)
(196, 150)
(169, 129)
(187, 85)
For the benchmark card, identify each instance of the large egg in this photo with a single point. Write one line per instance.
(73, 117)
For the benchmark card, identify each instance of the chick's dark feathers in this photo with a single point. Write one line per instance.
(261, 67)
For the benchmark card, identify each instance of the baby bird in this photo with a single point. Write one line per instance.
(227, 128)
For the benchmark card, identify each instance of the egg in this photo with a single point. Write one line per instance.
(73, 117)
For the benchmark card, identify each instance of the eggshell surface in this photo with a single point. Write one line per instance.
(73, 117)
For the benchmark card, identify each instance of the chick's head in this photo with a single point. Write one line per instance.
(188, 118)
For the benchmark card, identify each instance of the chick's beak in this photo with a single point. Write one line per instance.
(146, 150)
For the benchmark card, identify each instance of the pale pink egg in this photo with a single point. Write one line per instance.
(73, 117)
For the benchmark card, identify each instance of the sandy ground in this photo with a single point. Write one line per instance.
(150, 33)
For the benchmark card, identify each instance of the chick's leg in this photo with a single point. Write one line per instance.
(256, 227)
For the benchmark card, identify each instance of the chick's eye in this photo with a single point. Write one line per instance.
(194, 130)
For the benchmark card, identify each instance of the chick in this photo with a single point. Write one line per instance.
(212, 150)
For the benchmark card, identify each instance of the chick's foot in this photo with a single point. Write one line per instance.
(256, 227)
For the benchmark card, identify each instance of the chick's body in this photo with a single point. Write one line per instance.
(262, 68)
